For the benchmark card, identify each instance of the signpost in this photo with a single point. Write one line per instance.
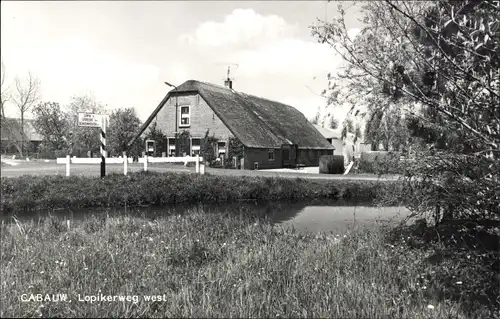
(89, 119)
(96, 120)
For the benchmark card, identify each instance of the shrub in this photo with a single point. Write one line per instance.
(380, 162)
(331, 164)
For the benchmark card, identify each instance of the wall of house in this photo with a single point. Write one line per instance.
(202, 118)
(311, 157)
(339, 146)
(261, 156)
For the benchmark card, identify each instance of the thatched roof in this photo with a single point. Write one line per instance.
(255, 121)
(11, 130)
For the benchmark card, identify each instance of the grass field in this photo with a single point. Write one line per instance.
(218, 265)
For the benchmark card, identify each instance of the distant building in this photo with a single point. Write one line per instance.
(273, 134)
(345, 146)
(11, 135)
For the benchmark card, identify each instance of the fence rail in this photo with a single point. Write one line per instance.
(93, 160)
(200, 167)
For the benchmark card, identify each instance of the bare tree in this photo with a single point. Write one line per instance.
(25, 96)
(5, 93)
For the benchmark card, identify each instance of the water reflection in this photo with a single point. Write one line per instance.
(304, 216)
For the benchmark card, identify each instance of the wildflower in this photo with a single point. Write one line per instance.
(41, 272)
(57, 262)
(150, 239)
(85, 268)
(458, 282)
(424, 287)
(430, 307)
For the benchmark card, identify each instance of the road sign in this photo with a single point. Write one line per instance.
(89, 119)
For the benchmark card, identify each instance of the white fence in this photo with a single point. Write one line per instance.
(93, 160)
(185, 159)
(199, 166)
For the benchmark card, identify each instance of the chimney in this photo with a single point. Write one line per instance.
(228, 83)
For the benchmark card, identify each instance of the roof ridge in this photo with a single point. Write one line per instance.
(243, 93)
(213, 84)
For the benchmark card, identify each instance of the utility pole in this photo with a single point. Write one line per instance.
(176, 120)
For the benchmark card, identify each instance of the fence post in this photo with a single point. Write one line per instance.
(145, 162)
(197, 164)
(125, 163)
(68, 161)
(202, 169)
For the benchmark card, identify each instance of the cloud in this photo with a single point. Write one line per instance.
(241, 27)
(72, 66)
(289, 56)
(267, 49)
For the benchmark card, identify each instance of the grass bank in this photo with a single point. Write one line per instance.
(216, 265)
(28, 193)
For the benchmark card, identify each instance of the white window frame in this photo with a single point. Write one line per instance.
(186, 115)
(221, 150)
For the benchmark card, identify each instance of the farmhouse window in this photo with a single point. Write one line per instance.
(271, 154)
(185, 116)
(221, 147)
(195, 146)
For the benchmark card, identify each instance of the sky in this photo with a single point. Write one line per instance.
(121, 52)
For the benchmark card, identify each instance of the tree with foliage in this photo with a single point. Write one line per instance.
(387, 128)
(52, 124)
(157, 135)
(25, 95)
(439, 62)
(84, 137)
(123, 125)
(332, 123)
(208, 147)
(315, 119)
(184, 141)
(348, 127)
(235, 151)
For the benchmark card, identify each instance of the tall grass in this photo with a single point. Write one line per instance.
(29, 193)
(211, 265)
